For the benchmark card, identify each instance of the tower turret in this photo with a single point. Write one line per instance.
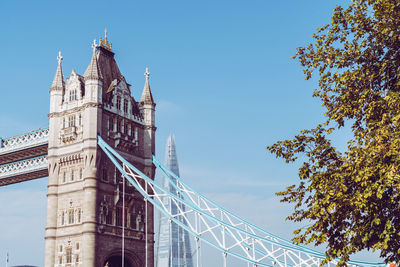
(57, 88)
(147, 108)
(93, 79)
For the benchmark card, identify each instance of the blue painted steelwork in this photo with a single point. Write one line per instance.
(265, 247)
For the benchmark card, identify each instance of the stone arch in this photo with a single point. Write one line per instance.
(114, 259)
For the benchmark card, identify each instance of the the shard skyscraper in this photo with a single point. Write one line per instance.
(173, 243)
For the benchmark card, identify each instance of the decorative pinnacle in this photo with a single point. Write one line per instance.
(104, 42)
(94, 45)
(147, 73)
(59, 57)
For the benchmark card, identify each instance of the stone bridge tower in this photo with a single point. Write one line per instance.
(84, 201)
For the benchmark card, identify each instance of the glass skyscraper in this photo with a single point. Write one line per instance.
(173, 244)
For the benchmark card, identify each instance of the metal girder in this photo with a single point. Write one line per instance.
(24, 146)
(212, 224)
(23, 170)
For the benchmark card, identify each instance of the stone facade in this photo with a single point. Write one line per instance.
(84, 200)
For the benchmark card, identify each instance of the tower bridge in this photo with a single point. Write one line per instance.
(98, 156)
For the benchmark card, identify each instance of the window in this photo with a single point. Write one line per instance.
(64, 177)
(136, 133)
(62, 223)
(60, 260)
(110, 124)
(125, 106)
(118, 102)
(77, 258)
(123, 127)
(71, 121)
(77, 246)
(71, 216)
(79, 221)
(61, 248)
(109, 218)
(72, 175)
(80, 119)
(80, 174)
(72, 95)
(129, 129)
(69, 255)
(64, 124)
(118, 216)
(118, 126)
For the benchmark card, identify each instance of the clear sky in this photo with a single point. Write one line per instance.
(222, 77)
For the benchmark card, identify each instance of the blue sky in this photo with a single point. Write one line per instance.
(222, 77)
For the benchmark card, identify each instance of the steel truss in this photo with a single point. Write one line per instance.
(27, 140)
(22, 167)
(210, 223)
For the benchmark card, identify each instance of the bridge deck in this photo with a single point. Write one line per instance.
(23, 157)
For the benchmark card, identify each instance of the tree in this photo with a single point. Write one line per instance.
(352, 197)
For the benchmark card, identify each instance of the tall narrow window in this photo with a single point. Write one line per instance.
(110, 124)
(125, 106)
(69, 255)
(77, 245)
(72, 175)
(109, 217)
(118, 102)
(77, 258)
(118, 126)
(80, 119)
(71, 121)
(71, 216)
(72, 95)
(118, 216)
(60, 260)
(129, 129)
(80, 174)
(62, 223)
(64, 124)
(64, 177)
(79, 221)
(61, 247)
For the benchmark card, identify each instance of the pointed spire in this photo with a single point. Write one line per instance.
(171, 158)
(93, 72)
(58, 82)
(147, 96)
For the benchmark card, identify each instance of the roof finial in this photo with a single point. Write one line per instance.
(104, 42)
(147, 73)
(94, 45)
(59, 57)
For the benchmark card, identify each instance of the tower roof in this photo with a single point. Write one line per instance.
(58, 82)
(93, 72)
(171, 158)
(147, 96)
